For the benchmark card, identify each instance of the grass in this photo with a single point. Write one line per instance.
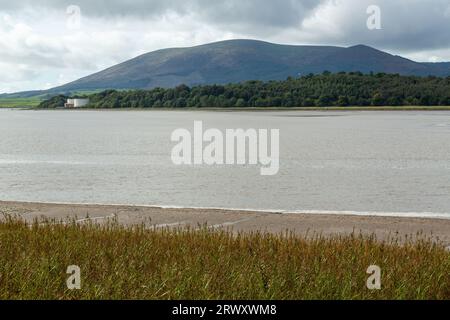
(19, 102)
(119, 262)
(33, 101)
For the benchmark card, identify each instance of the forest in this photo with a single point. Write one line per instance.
(323, 90)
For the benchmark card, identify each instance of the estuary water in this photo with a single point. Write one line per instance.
(362, 162)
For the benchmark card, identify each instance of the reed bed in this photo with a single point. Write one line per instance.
(119, 262)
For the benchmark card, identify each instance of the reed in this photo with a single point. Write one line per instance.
(119, 262)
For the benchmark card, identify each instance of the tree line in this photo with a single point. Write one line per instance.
(327, 89)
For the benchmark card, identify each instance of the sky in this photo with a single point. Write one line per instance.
(47, 43)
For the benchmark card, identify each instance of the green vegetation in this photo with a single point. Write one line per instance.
(30, 100)
(19, 102)
(119, 262)
(55, 102)
(234, 61)
(326, 90)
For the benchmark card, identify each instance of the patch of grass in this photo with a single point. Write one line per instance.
(19, 102)
(119, 262)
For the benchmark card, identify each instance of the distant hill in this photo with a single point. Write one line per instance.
(240, 60)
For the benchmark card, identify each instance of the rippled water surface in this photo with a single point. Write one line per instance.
(334, 161)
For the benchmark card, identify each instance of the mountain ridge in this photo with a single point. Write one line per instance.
(240, 60)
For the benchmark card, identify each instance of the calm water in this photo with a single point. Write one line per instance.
(349, 161)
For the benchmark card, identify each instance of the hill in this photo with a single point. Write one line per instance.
(235, 61)
(240, 60)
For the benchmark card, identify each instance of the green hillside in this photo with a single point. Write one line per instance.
(236, 61)
(242, 60)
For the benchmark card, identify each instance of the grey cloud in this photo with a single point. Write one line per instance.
(419, 28)
(407, 25)
(253, 14)
(280, 13)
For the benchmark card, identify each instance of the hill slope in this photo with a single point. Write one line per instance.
(240, 60)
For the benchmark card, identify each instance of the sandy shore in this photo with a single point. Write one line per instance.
(246, 221)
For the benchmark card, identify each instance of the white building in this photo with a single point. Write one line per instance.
(76, 103)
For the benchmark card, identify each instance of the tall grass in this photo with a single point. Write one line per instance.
(119, 262)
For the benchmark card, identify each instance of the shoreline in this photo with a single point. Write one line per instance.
(250, 109)
(303, 224)
(380, 214)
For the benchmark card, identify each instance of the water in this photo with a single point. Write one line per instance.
(333, 161)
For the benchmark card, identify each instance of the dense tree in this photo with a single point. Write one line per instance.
(343, 89)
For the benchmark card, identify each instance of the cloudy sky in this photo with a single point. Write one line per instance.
(49, 42)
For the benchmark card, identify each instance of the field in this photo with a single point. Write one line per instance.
(118, 262)
(19, 102)
(33, 101)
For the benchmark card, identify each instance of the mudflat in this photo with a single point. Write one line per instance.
(237, 220)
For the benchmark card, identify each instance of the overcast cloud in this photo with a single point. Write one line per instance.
(41, 47)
